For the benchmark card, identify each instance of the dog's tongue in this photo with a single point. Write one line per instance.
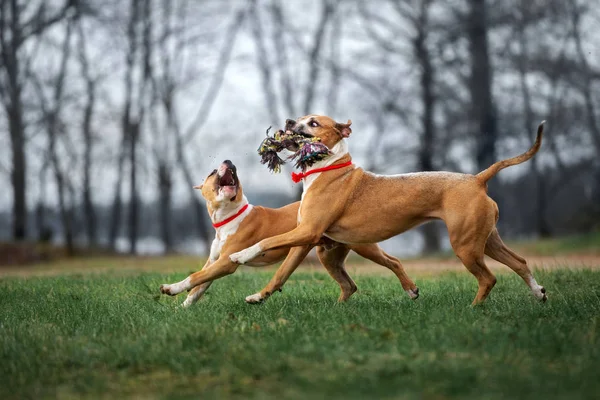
(228, 189)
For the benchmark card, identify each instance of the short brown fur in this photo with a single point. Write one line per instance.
(351, 205)
(263, 222)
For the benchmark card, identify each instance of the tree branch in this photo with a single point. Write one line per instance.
(262, 61)
(217, 80)
(313, 74)
(38, 23)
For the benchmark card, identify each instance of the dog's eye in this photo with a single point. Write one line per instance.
(314, 124)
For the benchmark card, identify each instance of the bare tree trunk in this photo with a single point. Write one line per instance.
(480, 86)
(14, 112)
(199, 211)
(18, 172)
(134, 132)
(541, 225)
(117, 205)
(165, 185)
(587, 88)
(52, 115)
(431, 234)
(136, 124)
(66, 210)
(44, 232)
(128, 132)
(88, 112)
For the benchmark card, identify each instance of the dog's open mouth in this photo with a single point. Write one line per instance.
(228, 182)
(227, 179)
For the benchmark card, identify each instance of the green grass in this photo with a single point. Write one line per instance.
(101, 336)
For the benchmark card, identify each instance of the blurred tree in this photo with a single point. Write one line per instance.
(588, 79)
(414, 17)
(91, 85)
(19, 23)
(52, 116)
(528, 14)
(137, 61)
(167, 82)
(480, 86)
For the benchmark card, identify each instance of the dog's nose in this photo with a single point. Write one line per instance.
(228, 163)
(289, 123)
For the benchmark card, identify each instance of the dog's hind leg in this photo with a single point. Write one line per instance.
(376, 254)
(497, 250)
(468, 232)
(333, 260)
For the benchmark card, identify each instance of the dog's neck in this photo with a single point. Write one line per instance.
(339, 151)
(228, 210)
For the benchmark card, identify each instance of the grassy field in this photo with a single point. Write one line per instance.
(107, 335)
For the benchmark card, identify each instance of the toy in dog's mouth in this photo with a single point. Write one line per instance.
(307, 149)
(227, 181)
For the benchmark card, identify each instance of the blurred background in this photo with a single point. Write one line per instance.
(110, 111)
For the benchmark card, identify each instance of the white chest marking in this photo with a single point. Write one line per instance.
(223, 232)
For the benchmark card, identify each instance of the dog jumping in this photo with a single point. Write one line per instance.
(239, 224)
(349, 205)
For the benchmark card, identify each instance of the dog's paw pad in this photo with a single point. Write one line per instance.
(165, 289)
(544, 296)
(540, 293)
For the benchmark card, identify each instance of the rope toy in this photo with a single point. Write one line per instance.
(307, 150)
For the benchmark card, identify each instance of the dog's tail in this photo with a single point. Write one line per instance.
(489, 173)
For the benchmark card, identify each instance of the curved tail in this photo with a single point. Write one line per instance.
(489, 173)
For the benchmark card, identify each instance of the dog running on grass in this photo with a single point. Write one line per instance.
(238, 225)
(343, 202)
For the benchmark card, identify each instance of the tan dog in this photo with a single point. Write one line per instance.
(350, 205)
(239, 225)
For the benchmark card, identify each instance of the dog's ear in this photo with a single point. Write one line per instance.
(199, 187)
(344, 129)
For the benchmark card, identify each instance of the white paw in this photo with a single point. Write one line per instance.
(188, 302)
(413, 294)
(254, 298)
(540, 293)
(242, 257)
(165, 288)
(175, 288)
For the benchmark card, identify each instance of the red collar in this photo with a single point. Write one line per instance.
(298, 177)
(226, 221)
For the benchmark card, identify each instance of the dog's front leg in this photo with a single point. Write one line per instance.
(291, 262)
(199, 290)
(195, 294)
(223, 266)
(302, 235)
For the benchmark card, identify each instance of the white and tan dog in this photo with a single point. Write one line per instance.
(349, 205)
(239, 225)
